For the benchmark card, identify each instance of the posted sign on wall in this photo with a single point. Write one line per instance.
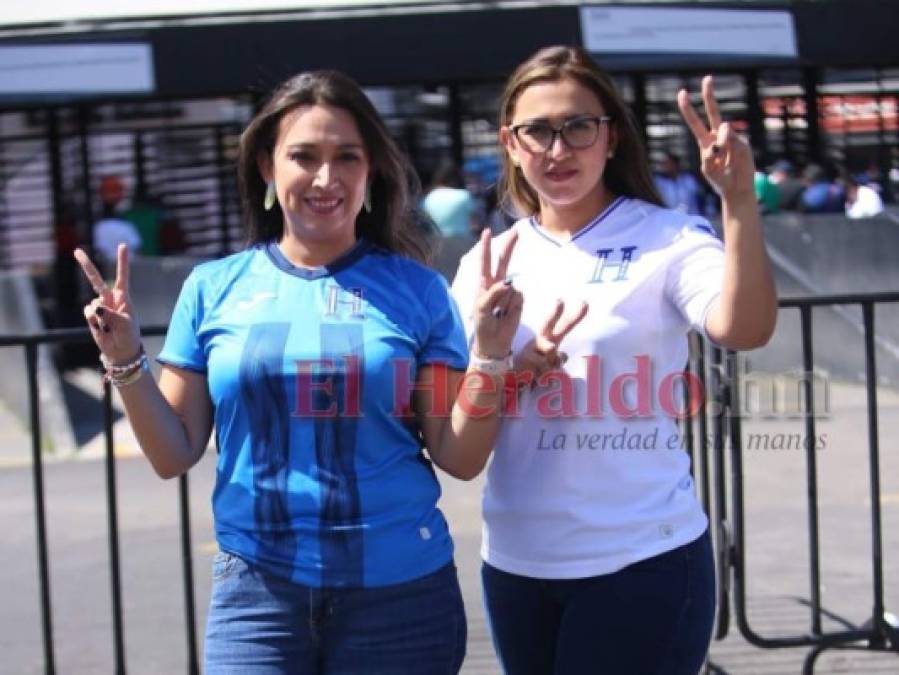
(610, 30)
(77, 69)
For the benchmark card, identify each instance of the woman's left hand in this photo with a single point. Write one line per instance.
(497, 309)
(726, 157)
(543, 353)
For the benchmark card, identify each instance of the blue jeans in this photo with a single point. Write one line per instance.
(651, 618)
(265, 625)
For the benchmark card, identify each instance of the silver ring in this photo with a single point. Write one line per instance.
(498, 312)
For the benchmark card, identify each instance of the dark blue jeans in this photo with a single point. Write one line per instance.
(266, 625)
(651, 618)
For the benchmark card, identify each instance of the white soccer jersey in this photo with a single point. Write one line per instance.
(591, 475)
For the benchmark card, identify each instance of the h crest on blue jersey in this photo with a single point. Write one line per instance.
(611, 266)
(345, 303)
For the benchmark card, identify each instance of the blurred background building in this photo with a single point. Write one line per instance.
(154, 93)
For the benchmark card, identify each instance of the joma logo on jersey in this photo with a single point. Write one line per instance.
(344, 302)
(612, 266)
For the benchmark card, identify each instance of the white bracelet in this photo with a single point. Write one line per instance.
(491, 366)
(114, 369)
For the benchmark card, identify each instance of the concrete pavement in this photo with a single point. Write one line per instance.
(153, 613)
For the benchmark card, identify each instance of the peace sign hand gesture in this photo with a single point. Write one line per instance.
(497, 309)
(542, 354)
(727, 161)
(110, 315)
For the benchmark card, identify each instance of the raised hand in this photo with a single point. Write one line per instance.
(110, 315)
(727, 161)
(543, 354)
(497, 309)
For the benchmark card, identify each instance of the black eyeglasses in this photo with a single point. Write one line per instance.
(577, 133)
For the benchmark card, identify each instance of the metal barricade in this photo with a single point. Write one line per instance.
(724, 500)
(30, 344)
(708, 437)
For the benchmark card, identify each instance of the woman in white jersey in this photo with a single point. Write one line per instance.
(597, 555)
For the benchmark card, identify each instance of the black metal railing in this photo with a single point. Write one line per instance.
(722, 382)
(30, 343)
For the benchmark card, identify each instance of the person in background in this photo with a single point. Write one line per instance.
(452, 208)
(862, 201)
(872, 177)
(789, 187)
(820, 194)
(767, 193)
(112, 229)
(597, 556)
(679, 190)
(326, 356)
(147, 214)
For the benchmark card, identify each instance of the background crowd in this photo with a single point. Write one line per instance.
(462, 200)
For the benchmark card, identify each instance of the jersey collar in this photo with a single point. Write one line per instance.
(354, 253)
(605, 213)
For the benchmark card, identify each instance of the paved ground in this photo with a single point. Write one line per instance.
(153, 615)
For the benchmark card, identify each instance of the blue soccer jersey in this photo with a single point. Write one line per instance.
(319, 478)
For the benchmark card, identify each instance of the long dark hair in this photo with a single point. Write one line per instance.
(392, 223)
(627, 173)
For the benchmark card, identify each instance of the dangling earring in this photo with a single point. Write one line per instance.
(366, 200)
(270, 196)
(611, 154)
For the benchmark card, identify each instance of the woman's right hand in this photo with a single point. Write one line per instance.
(110, 315)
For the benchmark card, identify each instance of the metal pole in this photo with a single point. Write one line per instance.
(39, 513)
(704, 474)
(87, 191)
(687, 441)
(811, 467)
(874, 451)
(220, 172)
(758, 137)
(113, 524)
(721, 387)
(188, 573)
(455, 125)
(640, 107)
(140, 169)
(786, 117)
(54, 155)
(812, 114)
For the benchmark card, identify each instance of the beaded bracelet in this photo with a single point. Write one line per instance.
(132, 376)
(119, 374)
(111, 367)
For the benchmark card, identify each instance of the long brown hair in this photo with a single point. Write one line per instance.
(627, 173)
(392, 223)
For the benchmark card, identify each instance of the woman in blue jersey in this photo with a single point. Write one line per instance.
(596, 550)
(325, 356)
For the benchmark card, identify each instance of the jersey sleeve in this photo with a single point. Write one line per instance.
(182, 346)
(695, 275)
(445, 342)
